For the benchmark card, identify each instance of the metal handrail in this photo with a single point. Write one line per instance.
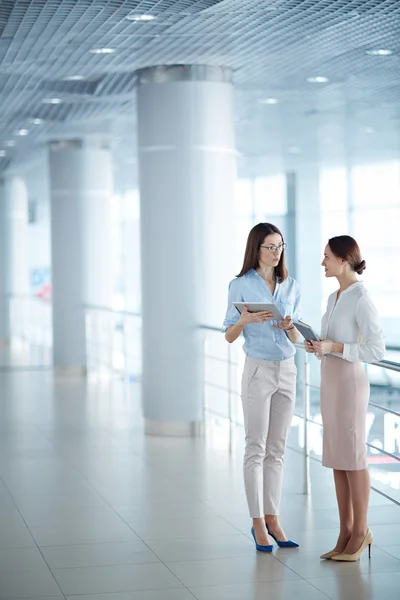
(32, 297)
(107, 309)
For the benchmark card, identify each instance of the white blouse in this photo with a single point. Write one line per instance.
(353, 321)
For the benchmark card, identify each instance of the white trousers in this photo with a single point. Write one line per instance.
(268, 398)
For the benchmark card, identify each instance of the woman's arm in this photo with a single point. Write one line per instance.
(289, 329)
(293, 335)
(372, 348)
(233, 332)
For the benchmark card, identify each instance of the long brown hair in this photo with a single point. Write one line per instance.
(256, 237)
(346, 247)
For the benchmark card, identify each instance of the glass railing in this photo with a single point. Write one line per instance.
(31, 320)
(31, 333)
(113, 348)
(113, 343)
(223, 368)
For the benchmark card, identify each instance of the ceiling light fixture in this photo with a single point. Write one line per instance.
(22, 132)
(268, 101)
(74, 78)
(140, 17)
(380, 52)
(2, 153)
(317, 79)
(52, 101)
(294, 150)
(368, 130)
(37, 121)
(102, 51)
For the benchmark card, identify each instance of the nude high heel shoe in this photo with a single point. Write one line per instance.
(329, 555)
(356, 556)
(332, 553)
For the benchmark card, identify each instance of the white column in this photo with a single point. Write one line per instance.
(14, 270)
(309, 245)
(81, 192)
(4, 309)
(187, 167)
(309, 249)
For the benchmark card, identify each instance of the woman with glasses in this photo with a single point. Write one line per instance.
(351, 336)
(269, 376)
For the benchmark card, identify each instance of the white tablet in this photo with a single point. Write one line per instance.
(306, 331)
(258, 307)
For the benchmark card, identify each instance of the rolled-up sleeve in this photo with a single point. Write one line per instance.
(234, 295)
(372, 347)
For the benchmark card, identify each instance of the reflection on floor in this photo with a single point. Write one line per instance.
(92, 509)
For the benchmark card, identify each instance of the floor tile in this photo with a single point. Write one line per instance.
(174, 594)
(223, 546)
(387, 534)
(376, 586)
(97, 580)
(379, 516)
(15, 535)
(392, 550)
(28, 584)
(273, 590)
(61, 535)
(164, 528)
(308, 564)
(178, 509)
(33, 506)
(317, 541)
(96, 555)
(72, 516)
(259, 567)
(21, 559)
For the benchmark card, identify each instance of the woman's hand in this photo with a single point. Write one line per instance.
(327, 347)
(254, 317)
(309, 347)
(286, 324)
(323, 347)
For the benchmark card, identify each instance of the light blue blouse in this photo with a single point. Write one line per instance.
(262, 340)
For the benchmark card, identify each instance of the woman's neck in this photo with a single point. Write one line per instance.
(346, 280)
(267, 273)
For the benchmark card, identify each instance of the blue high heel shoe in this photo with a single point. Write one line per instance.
(258, 546)
(288, 544)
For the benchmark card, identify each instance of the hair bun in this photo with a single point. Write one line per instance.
(361, 267)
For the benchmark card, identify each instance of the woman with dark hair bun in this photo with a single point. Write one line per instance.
(351, 320)
(269, 376)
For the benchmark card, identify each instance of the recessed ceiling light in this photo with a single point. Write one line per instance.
(2, 153)
(317, 79)
(22, 132)
(74, 78)
(368, 130)
(10, 143)
(102, 51)
(140, 17)
(37, 121)
(52, 101)
(294, 150)
(268, 101)
(380, 52)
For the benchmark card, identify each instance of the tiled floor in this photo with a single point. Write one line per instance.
(91, 509)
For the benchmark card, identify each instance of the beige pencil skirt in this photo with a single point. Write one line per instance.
(344, 404)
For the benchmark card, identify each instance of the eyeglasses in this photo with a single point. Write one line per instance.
(274, 249)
